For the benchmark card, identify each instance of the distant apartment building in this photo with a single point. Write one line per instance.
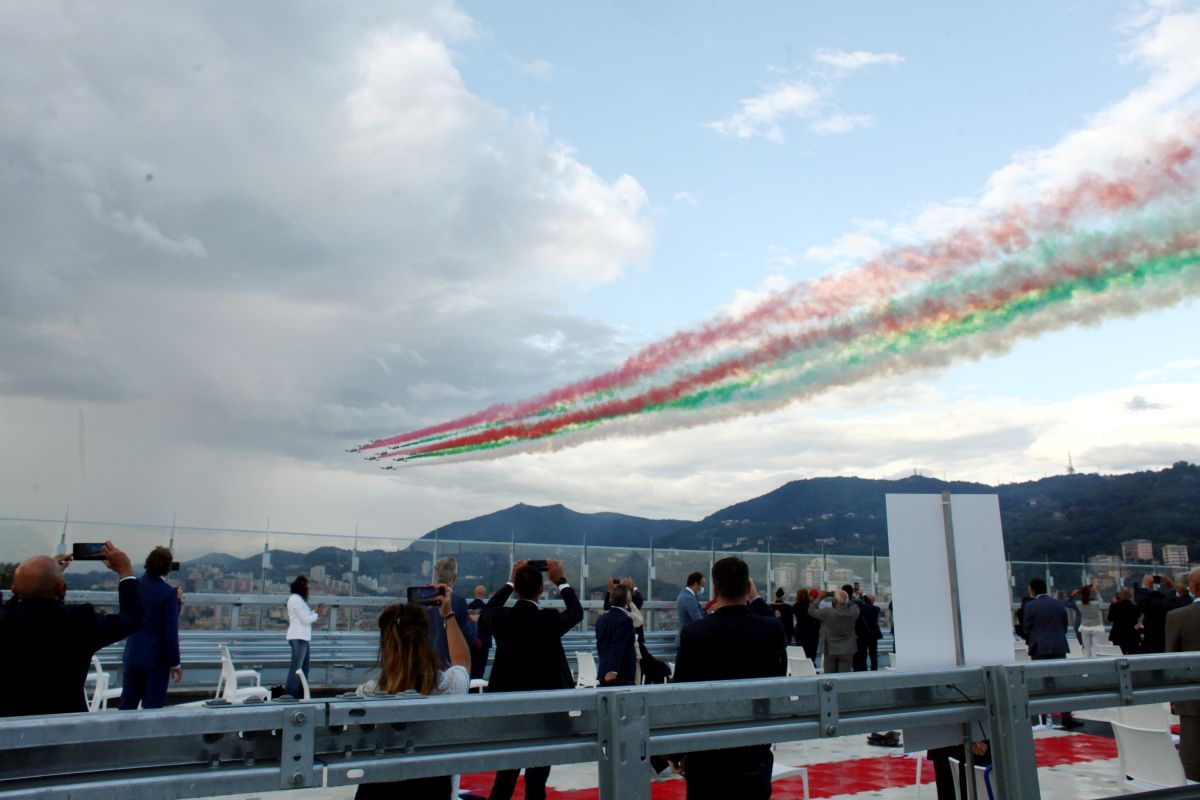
(785, 576)
(316, 572)
(1175, 555)
(1137, 550)
(1105, 571)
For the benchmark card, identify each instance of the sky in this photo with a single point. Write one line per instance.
(237, 240)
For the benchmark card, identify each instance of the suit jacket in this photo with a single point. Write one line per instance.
(1153, 605)
(687, 610)
(482, 632)
(837, 628)
(155, 645)
(1046, 625)
(1183, 635)
(732, 643)
(617, 645)
(49, 648)
(869, 617)
(437, 631)
(1124, 616)
(529, 651)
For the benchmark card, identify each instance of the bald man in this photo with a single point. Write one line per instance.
(1183, 634)
(49, 645)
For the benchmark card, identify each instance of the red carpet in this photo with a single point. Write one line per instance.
(853, 776)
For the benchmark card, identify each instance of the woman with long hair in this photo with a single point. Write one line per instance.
(299, 633)
(408, 662)
(1091, 620)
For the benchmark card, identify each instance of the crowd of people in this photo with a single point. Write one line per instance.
(437, 646)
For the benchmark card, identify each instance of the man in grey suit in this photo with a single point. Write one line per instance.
(1183, 634)
(687, 605)
(839, 642)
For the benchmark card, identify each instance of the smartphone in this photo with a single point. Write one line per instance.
(174, 566)
(539, 564)
(424, 595)
(617, 580)
(87, 551)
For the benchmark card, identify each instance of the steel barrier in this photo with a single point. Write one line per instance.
(198, 752)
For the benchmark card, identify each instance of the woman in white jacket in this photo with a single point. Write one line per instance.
(299, 633)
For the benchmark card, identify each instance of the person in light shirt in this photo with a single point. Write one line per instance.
(299, 633)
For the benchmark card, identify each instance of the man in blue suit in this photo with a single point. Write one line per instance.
(616, 642)
(152, 654)
(687, 605)
(1046, 623)
(446, 571)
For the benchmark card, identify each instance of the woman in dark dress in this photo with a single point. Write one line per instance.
(783, 613)
(1124, 616)
(806, 630)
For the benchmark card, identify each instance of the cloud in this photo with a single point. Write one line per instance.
(687, 198)
(759, 115)
(1179, 365)
(857, 59)
(1139, 403)
(847, 249)
(807, 97)
(539, 68)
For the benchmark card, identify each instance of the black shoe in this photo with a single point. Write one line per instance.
(1070, 723)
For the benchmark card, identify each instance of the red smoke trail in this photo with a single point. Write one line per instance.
(1157, 174)
(931, 311)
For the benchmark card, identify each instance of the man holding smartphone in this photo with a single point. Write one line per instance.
(49, 644)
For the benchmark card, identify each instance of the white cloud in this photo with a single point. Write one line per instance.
(687, 198)
(760, 114)
(849, 248)
(539, 68)
(857, 59)
(808, 97)
(1180, 365)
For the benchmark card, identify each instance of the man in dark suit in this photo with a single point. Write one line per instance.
(50, 645)
(1183, 635)
(152, 654)
(736, 641)
(1046, 623)
(616, 642)
(445, 571)
(529, 652)
(481, 645)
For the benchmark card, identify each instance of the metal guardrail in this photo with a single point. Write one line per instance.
(198, 752)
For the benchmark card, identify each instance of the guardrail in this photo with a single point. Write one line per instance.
(209, 751)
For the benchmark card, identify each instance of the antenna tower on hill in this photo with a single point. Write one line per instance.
(1070, 464)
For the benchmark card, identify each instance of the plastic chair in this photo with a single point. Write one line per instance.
(1074, 648)
(1108, 650)
(783, 771)
(1146, 758)
(1020, 653)
(228, 685)
(587, 679)
(983, 781)
(1151, 716)
(102, 692)
(800, 665)
(304, 693)
(478, 684)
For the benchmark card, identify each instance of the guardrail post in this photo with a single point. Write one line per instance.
(298, 747)
(1013, 763)
(623, 728)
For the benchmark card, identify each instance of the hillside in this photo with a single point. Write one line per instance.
(559, 525)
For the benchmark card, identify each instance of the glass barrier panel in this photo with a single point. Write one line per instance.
(25, 538)
(615, 562)
(671, 570)
(570, 555)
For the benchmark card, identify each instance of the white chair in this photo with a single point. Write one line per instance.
(587, 679)
(800, 665)
(1020, 653)
(983, 788)
(1108, 651)
(1146, 759)
(228, 685)
(1074, 648)
(783, 771)
(1150, 716)
(102, 692)
(304, 693)
(478, 683)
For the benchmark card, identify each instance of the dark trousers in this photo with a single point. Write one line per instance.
(300, 648)
(479, 656)
(944, 775)
(535, 783)
(1066, 715)
(419, 789)
(145, 686)
(868, 653)
(719, 779)
(1189, 746)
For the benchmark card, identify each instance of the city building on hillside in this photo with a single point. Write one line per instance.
(1105, 572)
(316, 572)
(785, 576)
(1137, 550)
(1175, 555)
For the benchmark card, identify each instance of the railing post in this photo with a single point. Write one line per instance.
(235, 615)
(623, 728)
(1013, 762)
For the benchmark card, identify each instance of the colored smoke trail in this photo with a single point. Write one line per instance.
(972, 293)
(1158, 173)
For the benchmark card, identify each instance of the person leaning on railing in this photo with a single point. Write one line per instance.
(409, 662)
(49, 645)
